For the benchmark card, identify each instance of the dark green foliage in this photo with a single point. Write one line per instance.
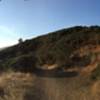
(25, 63)
(96, 73)
(81, 61)
(53, 48)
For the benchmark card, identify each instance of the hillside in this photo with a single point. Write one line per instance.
(62, 65)
(64, 48)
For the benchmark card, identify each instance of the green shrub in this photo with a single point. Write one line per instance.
(96, 73)
(25, 63)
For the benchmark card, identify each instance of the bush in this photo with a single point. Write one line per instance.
(25, 63)
(96, 73)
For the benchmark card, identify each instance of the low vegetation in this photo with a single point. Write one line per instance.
(96, 73)
(72, 58)
(53, 48)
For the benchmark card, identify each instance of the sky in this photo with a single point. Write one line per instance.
(30, 18)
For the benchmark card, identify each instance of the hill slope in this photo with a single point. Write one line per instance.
(62, 65)
(64, 48)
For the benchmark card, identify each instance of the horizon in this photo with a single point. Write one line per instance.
(30, 18)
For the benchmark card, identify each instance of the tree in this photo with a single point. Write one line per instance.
(20, 40)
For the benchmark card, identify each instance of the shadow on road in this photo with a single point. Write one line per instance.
(54, 73)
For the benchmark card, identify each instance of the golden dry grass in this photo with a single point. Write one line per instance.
(21, 86)
(13, 86)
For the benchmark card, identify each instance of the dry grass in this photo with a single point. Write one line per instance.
(20, 86)
(14, 86)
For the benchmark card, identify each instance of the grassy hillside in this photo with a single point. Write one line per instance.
(54, 48)
(62, 65)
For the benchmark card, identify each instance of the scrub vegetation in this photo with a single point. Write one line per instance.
(62, 65)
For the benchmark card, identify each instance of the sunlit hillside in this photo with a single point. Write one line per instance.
(62, 65)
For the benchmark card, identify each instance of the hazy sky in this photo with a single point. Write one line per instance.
(30, 18)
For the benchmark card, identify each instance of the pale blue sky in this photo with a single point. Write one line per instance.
(30, 18)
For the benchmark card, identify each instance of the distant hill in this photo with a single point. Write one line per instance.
(64, 49)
